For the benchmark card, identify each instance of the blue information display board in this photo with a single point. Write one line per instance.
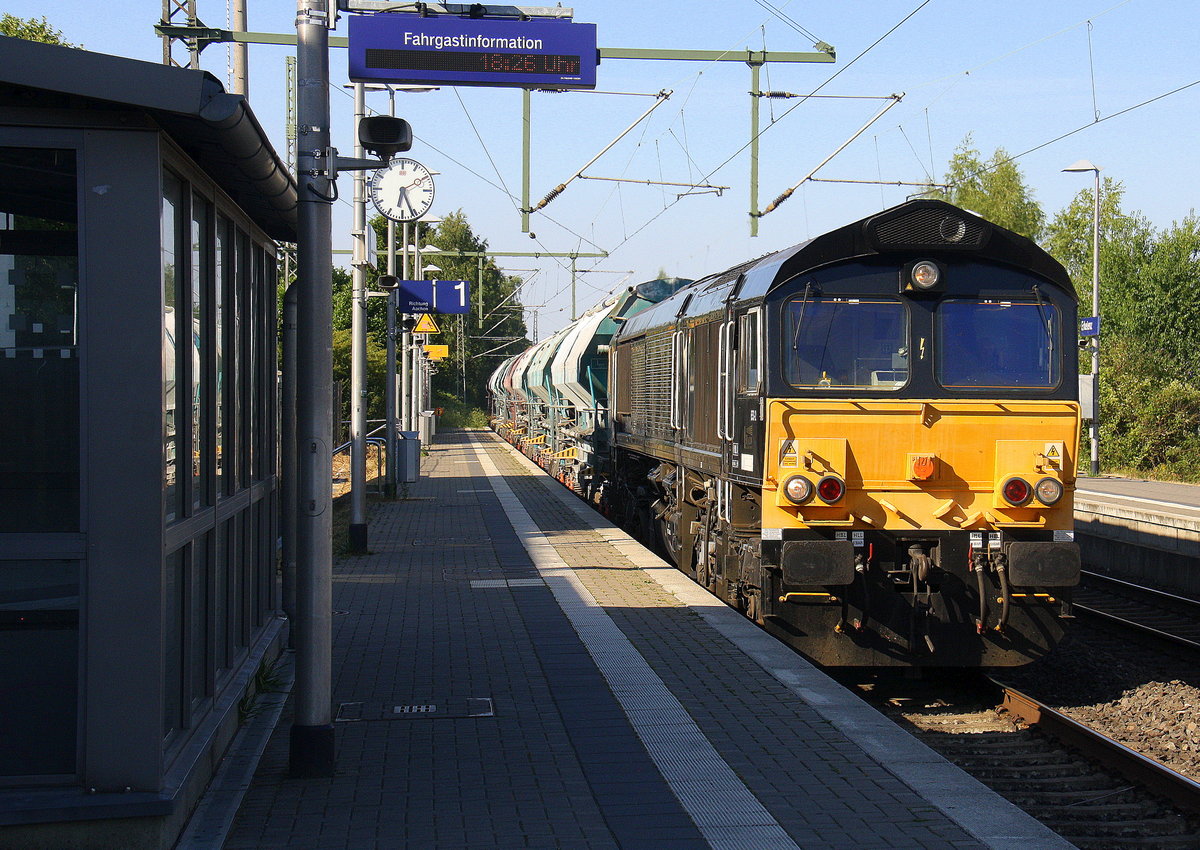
(434, 296)
(1089, 326)
(390, 47)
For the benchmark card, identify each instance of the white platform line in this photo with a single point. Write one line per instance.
(726, 812)
(972, 805)
(1105, 495)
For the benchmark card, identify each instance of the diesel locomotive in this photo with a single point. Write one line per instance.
(866, 442)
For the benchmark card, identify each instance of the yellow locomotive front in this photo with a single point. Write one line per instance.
(918, 460)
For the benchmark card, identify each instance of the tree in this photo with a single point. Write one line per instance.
(994, 189)
(1150, 330)
(32, 29)
(495, 317)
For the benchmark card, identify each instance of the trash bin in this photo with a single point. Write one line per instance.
(427, 426)
(408, 457)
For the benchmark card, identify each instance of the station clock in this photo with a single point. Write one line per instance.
(402, 190)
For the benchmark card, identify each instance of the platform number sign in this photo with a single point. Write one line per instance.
(451, 296)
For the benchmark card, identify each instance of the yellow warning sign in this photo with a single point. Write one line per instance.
(787, 453)
(426, 325)
(437, 352)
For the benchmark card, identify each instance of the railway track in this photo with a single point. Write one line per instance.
(1090, 789)
(1116, 797)
(1168, 617)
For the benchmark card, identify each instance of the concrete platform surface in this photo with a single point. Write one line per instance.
(513, 671)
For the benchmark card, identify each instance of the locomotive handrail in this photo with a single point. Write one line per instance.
(721, 382)
(674, 409)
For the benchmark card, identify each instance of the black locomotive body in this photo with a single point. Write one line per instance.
(867, 442)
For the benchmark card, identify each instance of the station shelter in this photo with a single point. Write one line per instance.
(141, 211)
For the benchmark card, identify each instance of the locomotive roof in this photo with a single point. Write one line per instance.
(909, 230)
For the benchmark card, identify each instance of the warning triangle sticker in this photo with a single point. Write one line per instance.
(426, 325)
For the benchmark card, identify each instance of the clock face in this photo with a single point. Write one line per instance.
(402, 191)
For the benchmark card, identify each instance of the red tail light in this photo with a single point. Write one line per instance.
(1016, 491)
(830, 489)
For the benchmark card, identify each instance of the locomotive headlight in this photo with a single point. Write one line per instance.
(1049, 491)
(921, 278)
(925, 275)
(797, 489)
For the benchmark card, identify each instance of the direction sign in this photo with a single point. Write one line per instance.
(416, 296)
(391, 47)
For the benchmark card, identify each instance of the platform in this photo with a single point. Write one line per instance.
(513, 671)
(1142, 531)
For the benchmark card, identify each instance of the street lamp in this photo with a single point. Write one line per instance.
(1084, 165)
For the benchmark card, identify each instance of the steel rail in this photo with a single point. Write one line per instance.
(1153, 595)
(1150, 773)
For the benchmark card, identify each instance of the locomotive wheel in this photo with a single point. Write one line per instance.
(668, 532)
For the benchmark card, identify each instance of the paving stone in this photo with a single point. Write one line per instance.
(560, 763)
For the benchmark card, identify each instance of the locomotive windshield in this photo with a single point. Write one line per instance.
(846, 342)
(992, 343)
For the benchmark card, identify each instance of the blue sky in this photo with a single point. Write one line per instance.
(1015, 75)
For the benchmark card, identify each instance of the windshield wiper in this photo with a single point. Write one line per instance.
(800, 321)
(1041, 305)
(1045, 318)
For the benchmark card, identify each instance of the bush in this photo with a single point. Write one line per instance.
(1149, 420)
(458, 414)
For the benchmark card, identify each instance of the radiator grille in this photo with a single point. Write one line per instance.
(930, 228)
(650, 383)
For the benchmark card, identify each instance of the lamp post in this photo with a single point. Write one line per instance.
(1084, 165)
(420, 386)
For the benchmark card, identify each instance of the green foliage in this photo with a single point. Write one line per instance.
(1149, 303)
(993, 189)
(376, 373)
(1126, 245)
(458, 414)
(1150, 419)
(459, 333)
(1150, 330)
(32, 29)
(462, 334)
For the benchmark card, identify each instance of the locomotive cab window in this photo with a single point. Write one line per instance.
(846, 343)
(749, 365)
(994, 343)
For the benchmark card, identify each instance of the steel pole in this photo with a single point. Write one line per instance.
(390, 381)
(241, 51)
(357, 531)
(416, 340)
(405, 341)
(312, 745)
(755, 95)
(1095, 427)
(390, 384)
(289, 486)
